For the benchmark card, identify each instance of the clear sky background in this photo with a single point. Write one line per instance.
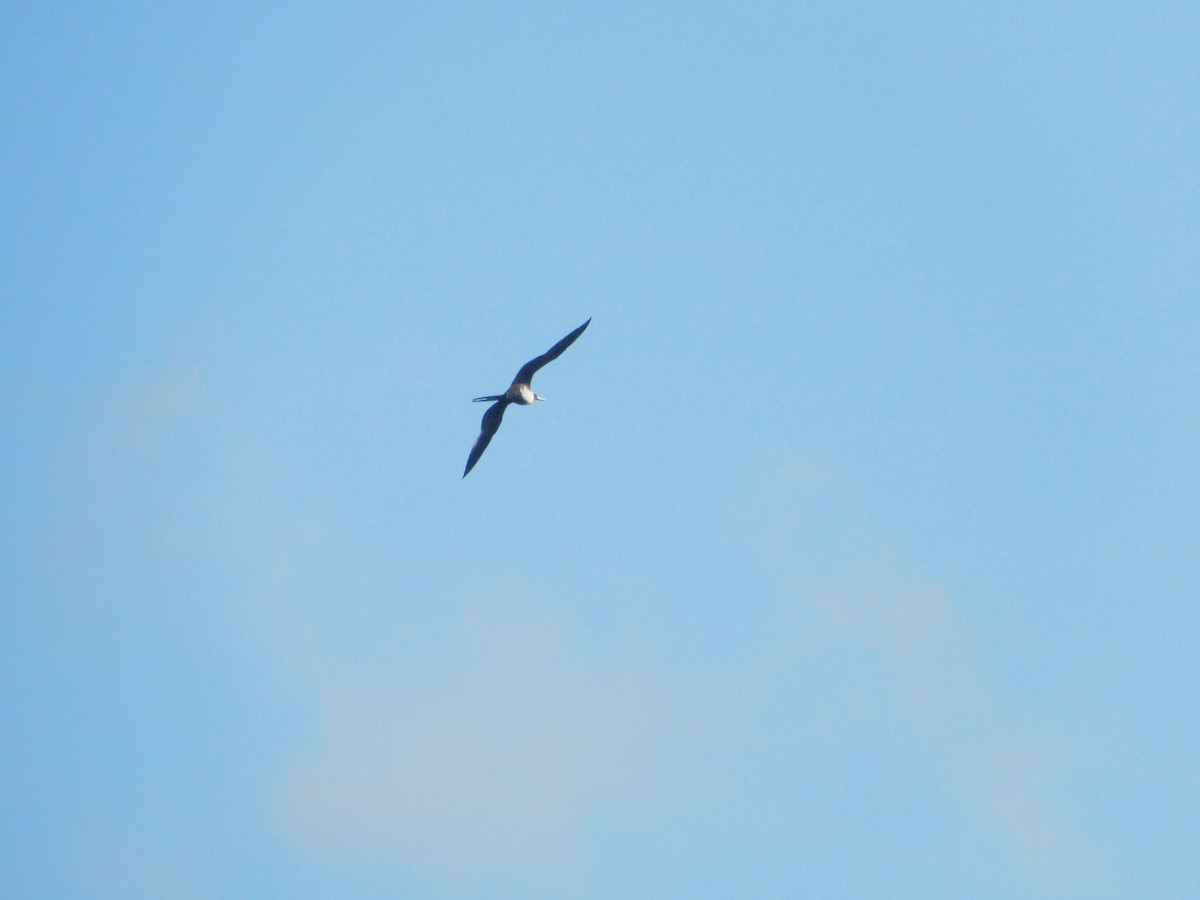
(854, 555)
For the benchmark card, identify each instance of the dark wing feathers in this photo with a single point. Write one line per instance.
(525, 375)
(488, 427)
(495, 412)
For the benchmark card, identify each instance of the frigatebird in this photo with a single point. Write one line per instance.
(518, 392)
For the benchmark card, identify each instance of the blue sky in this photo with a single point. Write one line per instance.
(855, 551)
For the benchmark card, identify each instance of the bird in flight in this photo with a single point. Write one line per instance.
(518, 392)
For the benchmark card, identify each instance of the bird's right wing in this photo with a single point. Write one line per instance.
(525, 376)
(489, 426)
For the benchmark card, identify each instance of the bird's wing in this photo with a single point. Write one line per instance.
(525, 375)
(489, 426)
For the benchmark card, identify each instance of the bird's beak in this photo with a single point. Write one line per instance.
(536, 397)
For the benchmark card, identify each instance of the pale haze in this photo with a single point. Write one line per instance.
(856, 553)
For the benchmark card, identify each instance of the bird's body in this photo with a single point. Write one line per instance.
(519, 392)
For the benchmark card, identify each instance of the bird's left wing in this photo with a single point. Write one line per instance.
(489, 426)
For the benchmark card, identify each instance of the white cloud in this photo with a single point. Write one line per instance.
(919, 672)
(488, 739)
(494, 768)
(113, 862)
